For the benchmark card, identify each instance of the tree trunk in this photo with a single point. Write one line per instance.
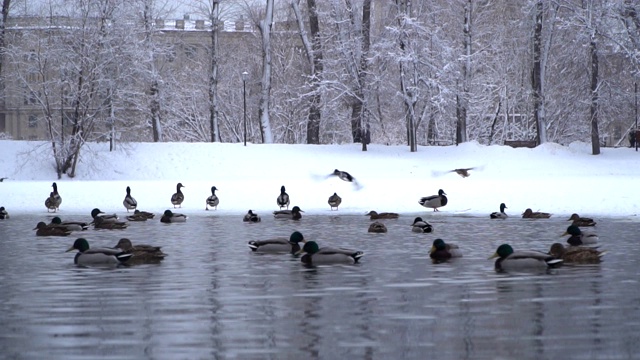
(265, 92)
(154, 107)
(213, 75)
(3, 25)
(364, 67)
(537, 77)
(595, 135)
(407, 94)
(463, 101)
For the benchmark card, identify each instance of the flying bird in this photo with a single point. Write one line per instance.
(464, 172)
(345, 176)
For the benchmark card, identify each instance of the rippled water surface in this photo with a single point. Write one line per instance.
(213, 298)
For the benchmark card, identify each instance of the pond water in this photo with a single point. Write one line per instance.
(213, 298)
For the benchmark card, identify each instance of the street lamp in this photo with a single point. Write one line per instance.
(245, 75)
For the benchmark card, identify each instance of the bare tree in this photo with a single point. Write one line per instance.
(265, 26)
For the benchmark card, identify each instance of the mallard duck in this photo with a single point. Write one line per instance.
(421, 226)
(137, 217)
(101, 223)
(278, 245)
(68, 225)
(178, 197)
(212, 200)
(530, 214)
(522, 260)
(129, 202)
(344, 176)
(171, 217)
(141, 253)
(377, 227)
(335, 201)
(54, 200)
(443, 251)
(314, 255)
(283, 198)
(3, 213)
(579, 237)
(434, 201)
(251, 217)
(148, 215)
(96, 213)
(45, 230)
(576, 254)
(581, 221)
(373, 215)
(462, 172)
(97, 256)
(293, 214)
(501, 214)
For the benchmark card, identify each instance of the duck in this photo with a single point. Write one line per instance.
(530, 214)
(293, 214)
(212, 200)
(283, 198)
(377, 227)
(441, 251)
(579, 237)
(45, 230)
(96, 213)
(501, 214)
(576, 254)
(278, 245)
(335, 201)
(3, 213)
(54, 200)
(421, 226)
(137, 217)
(464, 172)
(345, 176)
(171, 217)
(97, 256)
(148, 215)
(373, 215)
(312, 254)
(68, 225)
(141, 253)
(251, 217)
(434, 201)
(129, 202)
(101, 223)
(508, 259)
(178, 197)
(581, 221)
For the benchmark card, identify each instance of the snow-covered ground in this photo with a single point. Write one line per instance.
(551, 178)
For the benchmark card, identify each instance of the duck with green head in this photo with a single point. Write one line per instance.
(579, 237)
(434, 201)
(142, 254)
(278, 245)
(213, 200)
(171, 217)
(501, 214)
(68, 225)
(576, 254)
(508, 259)
(129, 202)
(441, 251)
(97, 256)
(314, 255)
(293, 214)
(421, 226)
(97, 213)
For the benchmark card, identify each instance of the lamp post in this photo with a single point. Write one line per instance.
(245, 75)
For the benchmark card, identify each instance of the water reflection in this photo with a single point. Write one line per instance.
(213, 298)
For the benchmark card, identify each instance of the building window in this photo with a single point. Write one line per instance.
(33, 121)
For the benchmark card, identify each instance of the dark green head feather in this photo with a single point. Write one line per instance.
(439, 244)
(311, 247)
(296, 237)
(504, 250)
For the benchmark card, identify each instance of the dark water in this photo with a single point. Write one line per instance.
(213, 298)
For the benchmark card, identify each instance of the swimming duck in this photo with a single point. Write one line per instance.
(293, 214)
(45, 230)
(178, 197)
(576, 254)
(377, 227)
(129, 202)
(434, 201)
(212, 200)
(283, 198)
(501, 214)
(68, 225)
(3, 213)
(251, 217)
(421, 226)
(101, 223)
(171, 217)
(148, 215)
(530, 214)
(579, 237)
(141, 253)
(96, 213)
(344, 176)
(278, 245)
(137, 217)
(581, 221)
(335, 201)
(54, 200)
(441, 251)
(314, 255)
(373, 215)
(97, 256)
(522, 260)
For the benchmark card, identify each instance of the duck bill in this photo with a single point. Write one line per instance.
(299, 252)
(565, 234)
(433, 249)
(70, 249)
(493, 256)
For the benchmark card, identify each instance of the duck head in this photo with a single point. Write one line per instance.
(503, 251)
(80, 244)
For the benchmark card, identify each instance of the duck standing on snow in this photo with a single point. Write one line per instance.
(522, 260)
(421, 226)
(45, 230)
(293, 214)
(142, 254)
(530, 214)
(278, 245)
(171, 217)
(251, 217)
(335, 201)
(373, 215)
(377, 227)
(501, 214)
(178, 197)
(283, 198)
(314, 255)
(441, 251)
(434, 201)
(576, 254)
(3, 213)
(345, 176)
(212, 201)
(54, 200)
(97, 256)
(581, 221)
(129, 202)
(578, 237)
